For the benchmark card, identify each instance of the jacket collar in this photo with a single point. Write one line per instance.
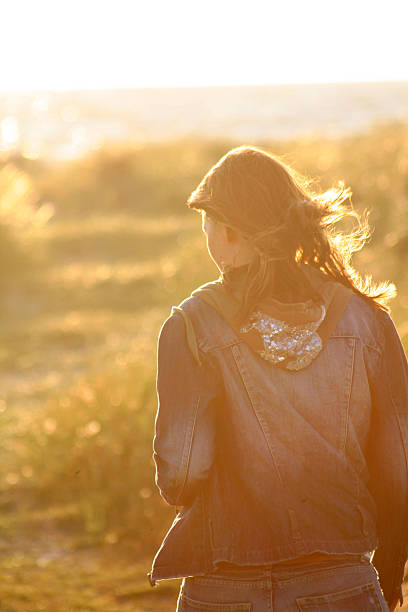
(288, 334)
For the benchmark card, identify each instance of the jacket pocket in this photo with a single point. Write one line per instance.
(363, 598)
(186, 604)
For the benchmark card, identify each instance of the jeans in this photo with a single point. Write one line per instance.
(332, 586)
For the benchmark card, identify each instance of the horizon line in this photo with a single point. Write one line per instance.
(201, 86)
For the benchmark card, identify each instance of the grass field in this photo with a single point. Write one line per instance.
(93, 255)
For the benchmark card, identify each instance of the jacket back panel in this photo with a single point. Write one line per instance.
(289, 475)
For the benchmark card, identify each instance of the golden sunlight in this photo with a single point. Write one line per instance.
(77, 45)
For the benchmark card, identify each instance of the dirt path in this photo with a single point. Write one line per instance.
(47, 574)
(50, 572)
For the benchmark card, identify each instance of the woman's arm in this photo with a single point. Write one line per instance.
(388, 460)
(184, 440)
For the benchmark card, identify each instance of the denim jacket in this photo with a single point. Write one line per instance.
(265, 464)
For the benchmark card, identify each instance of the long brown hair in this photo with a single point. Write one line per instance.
(287, 223)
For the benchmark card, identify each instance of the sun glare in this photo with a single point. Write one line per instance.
(76, 45)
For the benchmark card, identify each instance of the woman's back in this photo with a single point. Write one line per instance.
(288, 471)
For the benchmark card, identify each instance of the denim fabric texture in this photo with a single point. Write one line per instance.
(264, 464)
(343, 586)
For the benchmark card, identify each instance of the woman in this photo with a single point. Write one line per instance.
(282, 430)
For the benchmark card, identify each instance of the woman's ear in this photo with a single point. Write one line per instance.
(230, 234)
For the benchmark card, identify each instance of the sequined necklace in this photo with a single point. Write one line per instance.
(291, 346)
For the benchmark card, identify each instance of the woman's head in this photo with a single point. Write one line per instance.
(257, 203)
(252, 192)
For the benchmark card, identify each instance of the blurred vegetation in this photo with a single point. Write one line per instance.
(93, 254)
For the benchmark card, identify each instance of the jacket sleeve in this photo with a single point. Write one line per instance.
(184, 438)
(388, 461)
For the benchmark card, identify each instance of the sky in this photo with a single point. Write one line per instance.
(99, 44)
